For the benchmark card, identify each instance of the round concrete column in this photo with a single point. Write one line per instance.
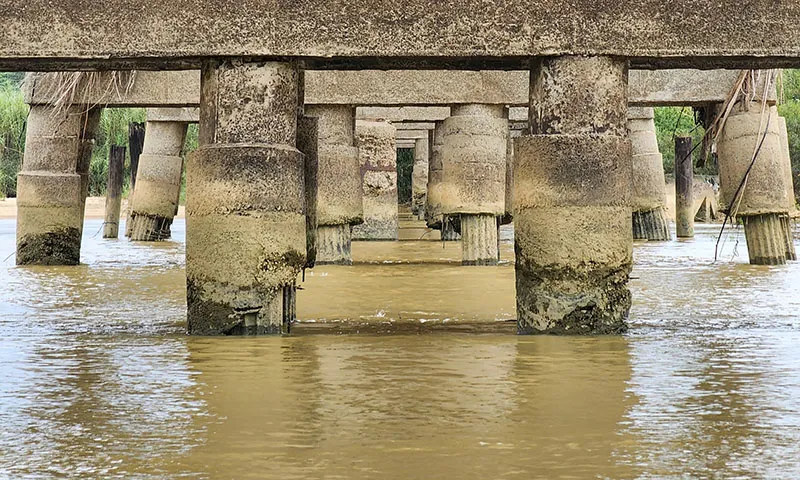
(246, 226)
(474, 177)
(765, 197)
(572, 193)
(339, 190)
(158, 182)
(419, 177)
(508, 215)
(378, 160)
(649, 187)
(52, 185)
(786, 161)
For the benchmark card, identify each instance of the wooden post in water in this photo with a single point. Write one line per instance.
(136, 144)
(684, 178)
(116, 163)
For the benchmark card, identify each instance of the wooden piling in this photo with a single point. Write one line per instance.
(116, 163)
(684, 178)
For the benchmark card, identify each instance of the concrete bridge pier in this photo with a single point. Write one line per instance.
(649, 200)
(474, 177)
(449, 226)
(786, 162)
(419, 177)
(766, 198)
(53, 183)
(572, 192)
(155, 198)
(378, 159)
(246, 207)
(339, 189)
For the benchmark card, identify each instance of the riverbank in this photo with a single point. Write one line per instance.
(95, 208)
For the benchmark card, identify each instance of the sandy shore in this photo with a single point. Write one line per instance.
(95, 208)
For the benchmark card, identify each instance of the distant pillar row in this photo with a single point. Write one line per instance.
(765, 199)
(339, 187)
(649, 187)
(419, 177)
(378, 159)
(572, 194)
(474, 140)
(246, 207)
(156, 196)
(53, 185)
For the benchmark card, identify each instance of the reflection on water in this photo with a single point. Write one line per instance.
(98, 380)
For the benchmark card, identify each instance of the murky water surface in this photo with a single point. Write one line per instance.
(97, 379)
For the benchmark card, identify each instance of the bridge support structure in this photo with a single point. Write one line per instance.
(378, 159)
(246, 207)
(572, 193)
(757, 192)
(53, 184)
(156, 196)
(339, 187)
(649, 217)
(474, 140)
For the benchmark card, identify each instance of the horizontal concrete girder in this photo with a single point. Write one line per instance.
(397, 88)
(411, 134)
(459, 34)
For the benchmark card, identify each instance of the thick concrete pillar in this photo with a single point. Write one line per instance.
(378, 159)
(154, 202)
(572, 192)
(786, 162)
(245, 212)
(419, 177)
(649, 187)
(684, 188)
(508, 215)
(449, 226)
(474, 177)
(339, 190)
(52, 186)
(765, 197)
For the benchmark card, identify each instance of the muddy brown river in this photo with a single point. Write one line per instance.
(98, 379)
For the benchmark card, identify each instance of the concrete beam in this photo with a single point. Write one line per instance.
(401, 114)
(401, 92)
(414, 125)
(411, 134)
(460, 34)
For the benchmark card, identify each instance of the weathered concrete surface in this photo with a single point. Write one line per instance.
(51, 186)
(464, 33)
(419, 176)
(158, 182)
(433, 198)
(574, 176)
(400, 91)
(474, 160)
(378, 158)
(246, 225)
(339, 188)
(765, 197)
(648, 200)
(479, 240)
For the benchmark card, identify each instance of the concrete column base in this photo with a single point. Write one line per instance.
(479, 240)
(766, 239)
(651, 225)
(334, 245)
(791, 251)
(149, 228)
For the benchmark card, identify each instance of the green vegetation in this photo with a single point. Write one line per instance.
(13, 113)
(405, 167)
(680, 122)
